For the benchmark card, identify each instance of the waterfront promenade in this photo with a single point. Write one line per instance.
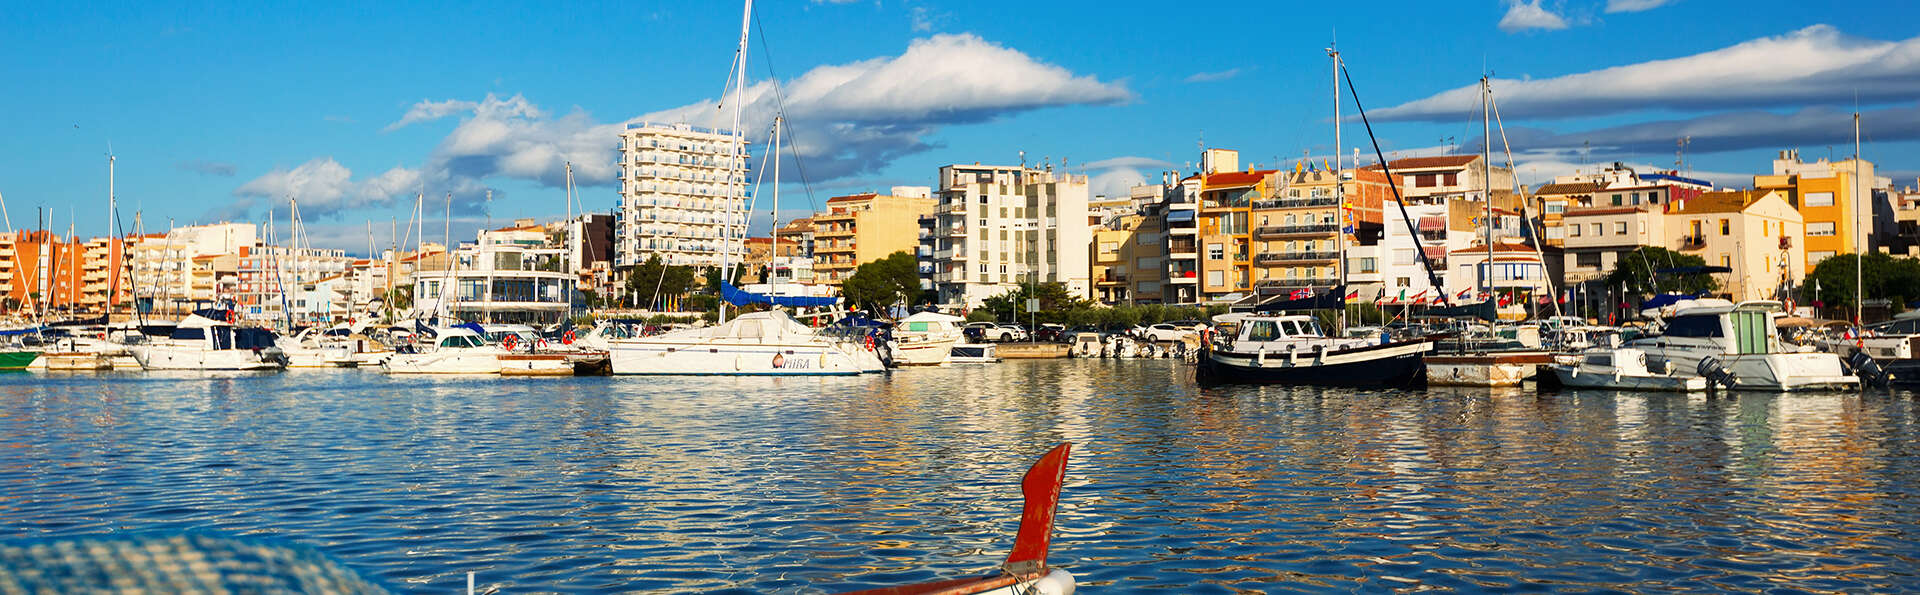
(594, 484)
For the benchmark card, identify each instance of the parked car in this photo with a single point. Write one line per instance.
(1010, 332)
(1166, 331)
(1073, 334)
(1049, 332)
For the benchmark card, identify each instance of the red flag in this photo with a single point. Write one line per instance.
(1353, 295)
(1301, 294)
(1505, 299)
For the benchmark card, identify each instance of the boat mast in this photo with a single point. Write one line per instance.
(1859, 234)
(112, 209)
(1553, 293)
(773, 212)
(1339, 192)
(1486, 174)
(736, 159)
(486, 293)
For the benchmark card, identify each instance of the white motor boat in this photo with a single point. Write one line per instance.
(926, 339)
(202, 343)
(1741, 338)
(766, 343)
(311, 348)
(972, 353)
(454, 350)
(1622, 369)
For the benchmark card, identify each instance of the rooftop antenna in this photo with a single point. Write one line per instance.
(1680, 153)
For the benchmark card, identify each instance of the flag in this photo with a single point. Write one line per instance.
(1506, 299)
(1544, 300)
(1301, 294)
(1403, 296)
(1352, 295)
(1420, 297)
(1566, 296)
(1381, 297)
(1464, 293)
(1485, 295)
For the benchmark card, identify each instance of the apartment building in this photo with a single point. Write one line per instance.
(1181, 224)
(1834, 198)
(999, 226)
(683, 193)
(1512, 272)
(1423, 179)
(269, 277)
(862, 228)
(1756, 233)
(1598, 237)
(511, 275)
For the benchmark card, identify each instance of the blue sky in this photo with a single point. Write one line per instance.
(218, 112)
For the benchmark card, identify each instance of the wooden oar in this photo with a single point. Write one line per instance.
(1028, 560)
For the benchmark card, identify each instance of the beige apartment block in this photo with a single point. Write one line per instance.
(863, 228)
(1753, 232)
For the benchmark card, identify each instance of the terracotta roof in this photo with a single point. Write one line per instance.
(853, 197)
(1428, 162)
(1235, 178)
(1725, 201)
(759, 240)
(1573, 188)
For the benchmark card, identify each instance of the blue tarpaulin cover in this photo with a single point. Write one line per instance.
(740, 297)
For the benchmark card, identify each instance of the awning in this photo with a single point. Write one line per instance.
(1433, 224)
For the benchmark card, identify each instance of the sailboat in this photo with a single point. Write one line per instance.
(1269, 346)
(767, 343)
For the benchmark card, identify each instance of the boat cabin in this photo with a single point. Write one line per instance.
(1744, 328)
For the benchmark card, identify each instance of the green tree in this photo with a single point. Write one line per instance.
(882, 283)
(1636, 270)
(654, 280)
(1895, 279)
(1056, 302)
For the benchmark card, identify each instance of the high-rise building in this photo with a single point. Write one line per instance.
(683, 195)
(1000, 226)
(1833, 197)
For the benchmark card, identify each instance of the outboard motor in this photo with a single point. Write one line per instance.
(1868, 370)
(1716, 374)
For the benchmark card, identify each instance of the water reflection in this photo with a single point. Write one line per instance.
(803, 484)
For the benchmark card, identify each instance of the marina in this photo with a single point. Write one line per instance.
(823, 484)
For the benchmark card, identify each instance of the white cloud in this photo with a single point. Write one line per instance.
(1813, 65)
(1115, 177)
(430, 110)
(323, 187)
(1731, 131)
(1126, 162)
(1633, 5)
(1535, 172)
(849, 119)
(1523, 16)
(1208, 77)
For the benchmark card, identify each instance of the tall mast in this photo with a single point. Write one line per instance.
(1339, 190)
(486, 292)
(1486, 171)
(393, 255)
(112, 272)
(773, 225)
(1859, 243)
(735, 160)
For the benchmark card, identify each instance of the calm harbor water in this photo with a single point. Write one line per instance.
(803, 485)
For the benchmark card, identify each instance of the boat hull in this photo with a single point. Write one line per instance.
(641, 357)
(171, 357)
(521, 364)
(927, 352)
(17, 360)
(1485, 369)
(451, 362)
(1393, 365)
(1572, 377)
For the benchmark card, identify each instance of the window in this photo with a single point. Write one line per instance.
(1216, 251)
(1216, 278)
(1616, 200)
(1816, 257)
(1820, 229)
(1595, 228)
(1587, 260)
(1726, 227)
(1109, 246)
(1636, 198)
(1556, 208)
(1705, 325)
(1819, 199)
(1453, 179)
(1619, 228)
(1726, 261)
(1573, 231)
(1362, 265)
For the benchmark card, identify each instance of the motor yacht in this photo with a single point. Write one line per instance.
(926, 339)
(758, 343)
(205, 343)
(1741, 339)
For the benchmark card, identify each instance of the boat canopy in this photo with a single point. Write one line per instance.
(741, 297)
(1483, 310)
(1333, 299)
(19, 331)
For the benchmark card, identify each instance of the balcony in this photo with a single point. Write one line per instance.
(1186, 246)
(1113, 279)
(958, 208)
(1293, 203)
(1311, 229)
(1693, 242)
(1183, 276)
(1275, 284)
(957, 230)
(1280, 257)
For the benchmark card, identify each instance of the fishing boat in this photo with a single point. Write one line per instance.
(1622, 369)
(926, 339)
(1291, 349)
(1739, 341)
(1025, 571)
(768, 343)
(206, 341)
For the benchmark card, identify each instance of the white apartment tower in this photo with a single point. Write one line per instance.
(998, 226)
(675, 182)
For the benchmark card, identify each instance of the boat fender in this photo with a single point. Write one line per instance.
(1320, 353)
(1260, 357)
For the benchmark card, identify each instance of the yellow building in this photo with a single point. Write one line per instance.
(863, 228)
(1837, 211)
(1756, 233)
(1112, 262)
(1296, 234)
(1225, 238)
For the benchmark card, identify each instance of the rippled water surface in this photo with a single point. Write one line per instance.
(757, 485)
